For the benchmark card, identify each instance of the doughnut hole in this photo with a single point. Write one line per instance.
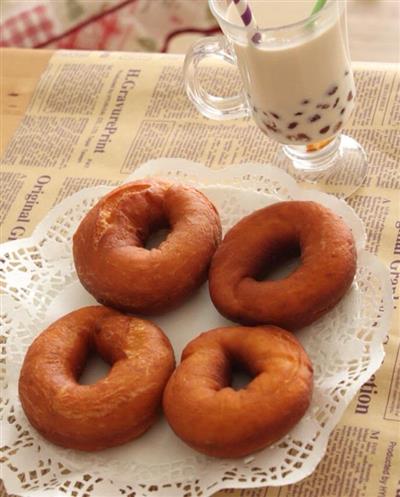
(279, 264)
(98, 353)
(94, 369)
(240, 376)
(157, 237)
(231, 371)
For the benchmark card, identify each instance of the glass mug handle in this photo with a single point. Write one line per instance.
(209, 105)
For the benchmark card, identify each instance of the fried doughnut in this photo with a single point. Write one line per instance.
(259, 241)
(116, 409)
(115, 267)
(213, 418)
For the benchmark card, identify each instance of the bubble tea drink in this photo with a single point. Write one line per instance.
(300, 91)
(297, 82)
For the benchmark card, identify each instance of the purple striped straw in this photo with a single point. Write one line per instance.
(243, 9)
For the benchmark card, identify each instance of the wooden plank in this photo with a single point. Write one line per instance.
(374, 30)
(20, 70)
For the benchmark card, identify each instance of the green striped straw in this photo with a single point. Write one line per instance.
(318, 6)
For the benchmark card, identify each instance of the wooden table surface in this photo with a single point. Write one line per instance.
(20, 70)
(374, 30)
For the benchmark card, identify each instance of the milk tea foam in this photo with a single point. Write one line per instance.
(300, 88)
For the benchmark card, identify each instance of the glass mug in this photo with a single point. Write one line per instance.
(298, 87)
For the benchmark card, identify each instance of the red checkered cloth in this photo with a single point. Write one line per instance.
(27, 29)
(141, 25)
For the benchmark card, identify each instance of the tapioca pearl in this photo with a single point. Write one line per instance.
(274, 114)
(299, 114)
(265, 113)
(292, 138)
(303, 136)
(305, 101)
(292, 125)
(332, 90)
(342, 111)
(271, 127)
(337, 126)
(324, 130)
(350, 96)
(336, 102)
(314, 118)
(269, 123)
(323, 106)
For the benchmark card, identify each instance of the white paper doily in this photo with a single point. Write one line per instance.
(39, 285)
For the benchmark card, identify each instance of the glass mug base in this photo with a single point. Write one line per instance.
(339, 167)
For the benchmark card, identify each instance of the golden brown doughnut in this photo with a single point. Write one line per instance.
(116, 409)
(258, 241)
(213, 418)
(115, 267)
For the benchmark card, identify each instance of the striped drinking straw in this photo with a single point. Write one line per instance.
(246, 15)
(244, 10)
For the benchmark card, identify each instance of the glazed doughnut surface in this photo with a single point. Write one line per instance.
(119, 407)
(259, 241)
(109, 246)
(211, 417)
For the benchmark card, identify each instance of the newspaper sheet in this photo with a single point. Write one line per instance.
(94, 117)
